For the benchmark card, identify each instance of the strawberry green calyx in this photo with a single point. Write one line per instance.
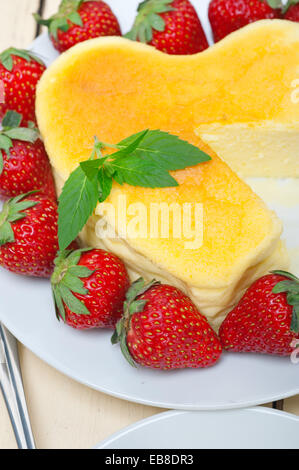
(11, 130)
(66, 280)
(6, 57)
(288, 5)
(13, 211)
(67, 13)
(275, 4)
(291, 288)
(132, 305)
(149, 19)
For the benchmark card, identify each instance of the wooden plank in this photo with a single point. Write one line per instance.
(67, 415)
(17, 25)
(51, 7)
(48, 8)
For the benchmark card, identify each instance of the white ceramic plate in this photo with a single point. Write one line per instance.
(26, 309)
(254, 428)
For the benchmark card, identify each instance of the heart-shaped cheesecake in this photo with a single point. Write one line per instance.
(112, 88)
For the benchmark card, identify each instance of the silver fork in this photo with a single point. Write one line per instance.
(12, 388)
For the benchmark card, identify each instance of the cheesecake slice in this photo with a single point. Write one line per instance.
(241, 237)
(81, 96)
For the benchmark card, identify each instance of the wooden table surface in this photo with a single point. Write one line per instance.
(64, 414)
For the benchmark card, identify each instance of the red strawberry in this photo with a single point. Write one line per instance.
(227, 16)
(78, 21)
(20, 72)
(291, 11)
(89, 288)
(28, 235)
(24, 164)
(266, 320)
(172, 26)
(161, 328)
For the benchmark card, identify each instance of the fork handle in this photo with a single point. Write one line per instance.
(13, 392)
(12, 408)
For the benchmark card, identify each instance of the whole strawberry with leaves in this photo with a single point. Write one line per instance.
(20, 71)
(266, 320)
(227, 16)
(162, 329)
(89, 288)
(172, 26)
(24, 164)
(79, 20)
(291, 11)
(28, 235)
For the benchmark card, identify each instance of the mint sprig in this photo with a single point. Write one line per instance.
(144, 159)
(11, 130)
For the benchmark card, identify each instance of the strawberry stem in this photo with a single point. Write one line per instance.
(67, 14)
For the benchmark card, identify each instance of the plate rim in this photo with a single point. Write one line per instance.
(166, 406)
(173, 413)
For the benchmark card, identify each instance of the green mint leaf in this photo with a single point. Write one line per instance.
(12, 119)
(78, 199)
(105, 185)
(128, 146)
(91, 167)
(141, 172)
(167, 150)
